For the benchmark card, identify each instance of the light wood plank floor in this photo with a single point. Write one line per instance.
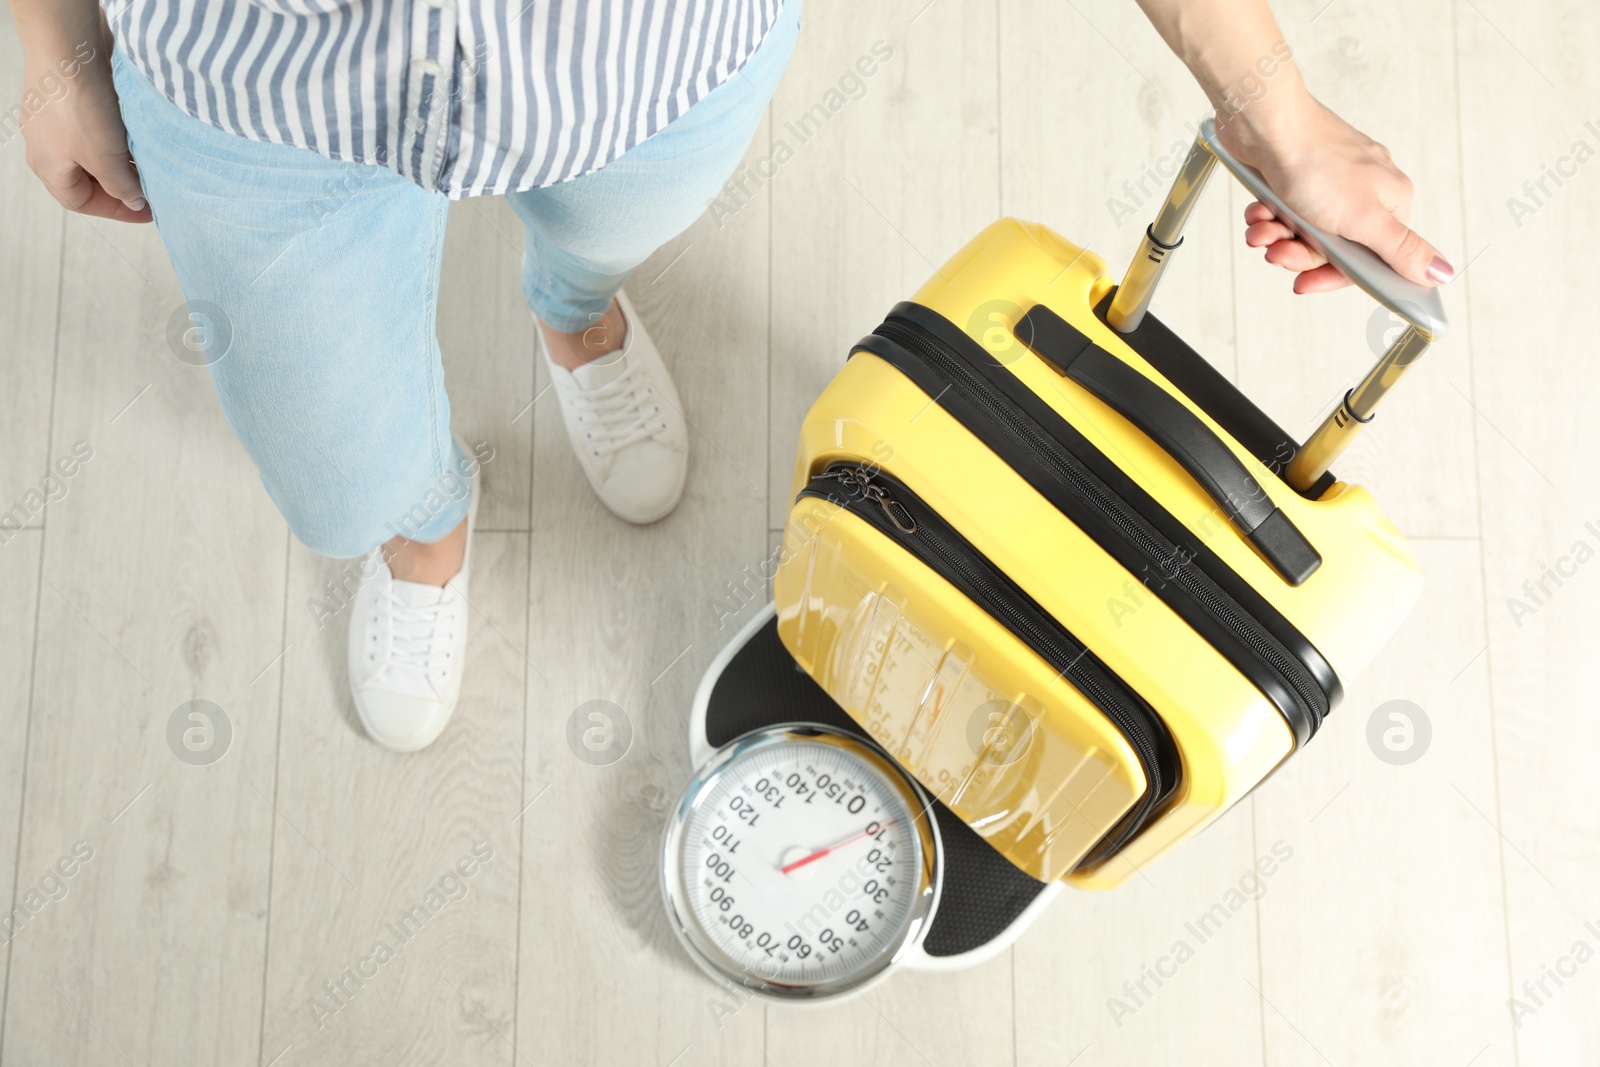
(211, 907)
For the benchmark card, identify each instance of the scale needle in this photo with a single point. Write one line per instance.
(817, 855)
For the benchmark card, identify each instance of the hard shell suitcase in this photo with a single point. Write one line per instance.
(1062, 570)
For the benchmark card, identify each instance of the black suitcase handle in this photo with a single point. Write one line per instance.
(1180, 433)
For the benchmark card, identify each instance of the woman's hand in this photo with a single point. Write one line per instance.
(1338, 179)
(1335, 177)
(77, 144)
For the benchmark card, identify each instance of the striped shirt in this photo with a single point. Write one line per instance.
(467, 97)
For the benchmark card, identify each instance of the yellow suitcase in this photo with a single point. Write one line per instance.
(1062, 571)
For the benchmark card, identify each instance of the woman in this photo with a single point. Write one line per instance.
(299, 155)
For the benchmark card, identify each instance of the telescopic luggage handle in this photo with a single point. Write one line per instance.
(1418, 305)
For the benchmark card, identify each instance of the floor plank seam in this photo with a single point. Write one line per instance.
(1483, 566)
(522, 793)
(33, 653)
(272, 837)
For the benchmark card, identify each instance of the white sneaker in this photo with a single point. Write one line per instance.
(408, 644)
(626, 425)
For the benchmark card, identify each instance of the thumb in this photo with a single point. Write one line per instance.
(119, 177)
(1402, 248)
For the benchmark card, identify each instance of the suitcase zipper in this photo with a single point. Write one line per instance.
(952, 368)
(894, 510)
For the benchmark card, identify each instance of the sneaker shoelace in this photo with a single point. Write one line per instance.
(413, 631)
(619, 413)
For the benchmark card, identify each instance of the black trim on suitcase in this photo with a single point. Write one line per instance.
(1160, 574)
(1180, 433)
(889, 506)
(1222, 607)
(1214, 394)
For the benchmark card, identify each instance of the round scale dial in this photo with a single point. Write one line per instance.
(800, 863)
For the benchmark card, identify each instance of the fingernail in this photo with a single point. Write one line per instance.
(137, 204)
(1439, 271)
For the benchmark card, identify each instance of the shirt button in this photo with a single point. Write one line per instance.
(428, 65)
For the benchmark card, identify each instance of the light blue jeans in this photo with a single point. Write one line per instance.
(312, 285)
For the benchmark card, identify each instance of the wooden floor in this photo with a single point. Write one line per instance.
(211, 907)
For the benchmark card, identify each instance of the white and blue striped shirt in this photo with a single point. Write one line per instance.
(468, 97)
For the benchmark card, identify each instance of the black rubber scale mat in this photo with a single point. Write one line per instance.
(983, 892)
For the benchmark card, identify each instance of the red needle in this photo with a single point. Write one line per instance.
(817, 855)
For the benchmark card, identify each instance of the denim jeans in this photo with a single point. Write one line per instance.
(313, 287)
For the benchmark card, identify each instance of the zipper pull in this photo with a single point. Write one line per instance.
(846, 475)
(858, 481)
(895, 510)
